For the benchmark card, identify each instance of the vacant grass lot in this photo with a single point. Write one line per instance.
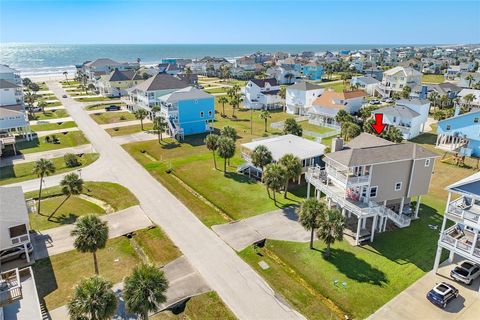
(42, 85)
(50, 114)
(68, 139)
(152, 239)
(433, 78)
(112, 117)
(23, 171)
(53, 126)
(121, 131)
(217, 90)
(91, 99)
(207, 306)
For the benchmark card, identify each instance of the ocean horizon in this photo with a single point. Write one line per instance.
(33, 59)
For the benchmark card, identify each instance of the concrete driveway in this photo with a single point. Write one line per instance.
(57, 240)
(277, 225)
(136, 137)
(413, 304)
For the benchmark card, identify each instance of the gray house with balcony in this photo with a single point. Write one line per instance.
(372, 181)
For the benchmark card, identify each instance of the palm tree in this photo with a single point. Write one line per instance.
(406, 92)
(469, 99)
(30, 99)
(283, 94)
(91, 87)
(469, 78)
(223, 100)
(65, 73)
(395, 135)
(26, 82)
(330, 228)
(159, 125)
(235, 102)
(265, 115)
(211, 141)
(274, 178)
(144, 290)
(71, 184)
(261, 156)
(229, 132)
(342, 116)
(91, 234)
(433, 98)
(293, 169)
(140, 114)
(226, 149)
(154, 110)
(42, 168)
(42, 104)
(93, 299)
(309, 213)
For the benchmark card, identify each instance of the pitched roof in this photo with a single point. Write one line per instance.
(304, 86)
(407, 71)
(470, 184)
(399, 111)
(329, 99)
(367, 80)
(414, 101)
(4, 84)
(189, 93)
(6, 69)
(102, 62)
(365, 140)
(373, 151)
(12, 110)
(13, 206)
(161, 81)
(261, 82)
(126, 75)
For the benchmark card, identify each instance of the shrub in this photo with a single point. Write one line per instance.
(71, 160)
(116, 129)
(123, 118)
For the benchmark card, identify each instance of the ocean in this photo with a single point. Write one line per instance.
(53, 59)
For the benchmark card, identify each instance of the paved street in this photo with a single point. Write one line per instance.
(276, 225)
(239, 286)
(58, 240)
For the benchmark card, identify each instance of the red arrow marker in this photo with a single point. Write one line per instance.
(378, 126)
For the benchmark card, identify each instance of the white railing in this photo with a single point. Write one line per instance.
(465, 248)
(455, 208)
(347, 179)
(13, 290)
(399, 219)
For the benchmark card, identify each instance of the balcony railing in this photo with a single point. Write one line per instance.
(459, 209)
(10, 287)
(465, 248)
(347, 179)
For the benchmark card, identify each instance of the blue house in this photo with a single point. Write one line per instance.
(313, 71)
(461, 134)
(188, 111)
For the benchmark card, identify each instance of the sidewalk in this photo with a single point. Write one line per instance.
(137, 137)
(123, 124)
(57, 131)
(58, 240)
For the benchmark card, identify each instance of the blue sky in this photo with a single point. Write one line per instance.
(245, 21)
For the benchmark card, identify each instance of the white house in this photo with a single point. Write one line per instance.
(395, 79)
(284, 74)
(464, 83)
(325, 108)
(300, 96)
(262, 94)
(366, 83)
(465, 92)
(409, 116)
(9, 74)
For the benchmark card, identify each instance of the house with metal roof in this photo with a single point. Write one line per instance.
(366, 83)
(373, 181)
(461, 222)
(300, 96)
(407, 115)
(262, 94)
(395, 79)
(103, 66)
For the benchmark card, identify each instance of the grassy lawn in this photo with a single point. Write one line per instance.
(54, 104)
(23, 171)
(42, 85)
(101, 106)
(50, 114)
(112, 117)
(56, 276)
(433, 78)
(207, 306)
(337, 87)
(152, 239)
(68, 139)
(53, 126)
(217, 90)
(121, 131)
(63, 212)
(91, 99)
(117, 196)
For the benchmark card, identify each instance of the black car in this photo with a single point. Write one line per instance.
(442, 294)
(64, 96)
(15, 253)
(112, 108)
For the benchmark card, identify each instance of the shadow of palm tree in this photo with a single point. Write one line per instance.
(69, 218)
(354, 268)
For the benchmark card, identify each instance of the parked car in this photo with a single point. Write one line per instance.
(466, 272)
(112, 108)
(374, 102)
(64, 96)
(389, 100)
(15, 253)
(442, 294)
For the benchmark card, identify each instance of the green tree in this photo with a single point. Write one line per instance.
(283, 94)
(42, 168)
(468, 100)
(65, 73)
(350, 130)
(330, 228)
(265, 115)
(226, 149)
(406, 92)
(274, 178)
(291, 126)
(394, 135)
(211, 141)
(42, 104)
(159, 125)
(140, 114)
(469, 78)
(230, 132)
(223, 100)
(261, 156)
(26, 82)
(71, 184)
(235, 102)
(293, 169)
(433, 98)
(342, 116)
(308, 214)
(90, 234)
(144, 290)
(93, 299)
(71, 160)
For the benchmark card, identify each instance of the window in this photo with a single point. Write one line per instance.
(448, 127)
(398, 186)
(209, 113)
(17, 231)
(475, 120)
(373, 192)
(427, 162)
(201, 114)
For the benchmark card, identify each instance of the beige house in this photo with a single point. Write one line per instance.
(372, 181)
(116, 83)
(395, 79)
